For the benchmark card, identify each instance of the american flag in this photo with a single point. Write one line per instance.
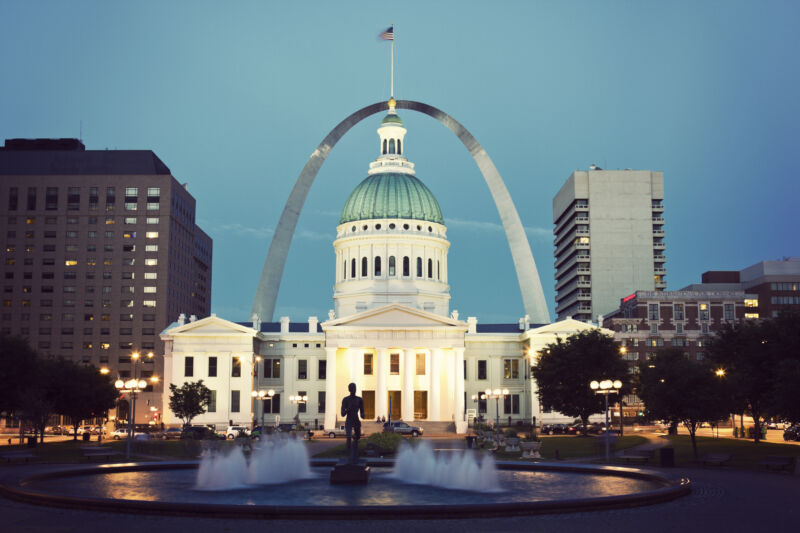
(387, 35)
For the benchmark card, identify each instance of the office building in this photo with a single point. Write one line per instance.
(101, 246)
(609, 239)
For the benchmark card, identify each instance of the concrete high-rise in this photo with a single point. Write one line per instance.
(101, 254)
(609, 239)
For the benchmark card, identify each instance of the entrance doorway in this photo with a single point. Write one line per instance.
(369, 404)
(420, 405)
(394, 403)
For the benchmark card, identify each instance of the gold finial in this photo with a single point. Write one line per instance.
(392, 103)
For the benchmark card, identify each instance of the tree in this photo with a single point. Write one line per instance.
(189, 400)
(565, 369)
(680, 390)
(82, 392)
(18, 375)
(761, 359)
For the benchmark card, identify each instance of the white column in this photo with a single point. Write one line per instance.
(352, 363)
(331, 408)
(381, 394)
(458, 400)
(435, 391)
(428, 376)
(409, 368)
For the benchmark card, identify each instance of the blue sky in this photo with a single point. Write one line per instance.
(234, 96)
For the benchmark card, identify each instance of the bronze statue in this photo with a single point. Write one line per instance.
(353, 412)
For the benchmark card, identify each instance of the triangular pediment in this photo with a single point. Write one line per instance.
(211, 326)
(394, 316)
(565, 328)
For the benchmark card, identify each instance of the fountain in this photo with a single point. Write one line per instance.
(272, 461)
(419, 465)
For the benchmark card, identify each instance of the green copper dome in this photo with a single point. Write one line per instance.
(391, 195)
(391, 118)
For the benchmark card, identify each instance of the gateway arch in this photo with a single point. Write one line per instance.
(527, 275)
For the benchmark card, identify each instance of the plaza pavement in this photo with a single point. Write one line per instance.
(722, 499)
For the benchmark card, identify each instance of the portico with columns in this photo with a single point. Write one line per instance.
(398, 355)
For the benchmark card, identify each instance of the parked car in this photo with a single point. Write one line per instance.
(555, 429)
(791, 433)
(198, 433)
(403, 428)
(336, 432)
(236, 431)
(85, 429)
(55, 430)
(170, 433)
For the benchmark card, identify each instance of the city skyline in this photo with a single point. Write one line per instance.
(234, 100)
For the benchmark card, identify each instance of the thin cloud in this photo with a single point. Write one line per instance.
(481, 225)
(264, 232)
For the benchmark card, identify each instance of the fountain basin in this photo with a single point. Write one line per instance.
(166, 486)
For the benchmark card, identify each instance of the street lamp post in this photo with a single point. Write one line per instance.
(133, 386)
(298, 400)
(605, 388)
(476, 398)
(496, 394)
(263, 396)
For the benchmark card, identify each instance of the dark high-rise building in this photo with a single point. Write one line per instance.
(101, 253)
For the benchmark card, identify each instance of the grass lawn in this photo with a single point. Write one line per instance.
(569, 447)
(70, 451)
(744, 453)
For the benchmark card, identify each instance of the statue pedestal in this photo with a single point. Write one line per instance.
(350, 474)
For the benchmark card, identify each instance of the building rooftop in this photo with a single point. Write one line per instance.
(69, 157)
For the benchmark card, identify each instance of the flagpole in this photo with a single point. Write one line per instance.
(392, 63)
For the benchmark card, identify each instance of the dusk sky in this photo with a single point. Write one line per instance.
(234, 97)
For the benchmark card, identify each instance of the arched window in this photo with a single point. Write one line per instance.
(353, 268)
(419, 267)
(391, 146)
(406, 267)
(391, 265)
(378, 267)
(384, 146)
(344, 270)
(364, 268)
(430, 268)
(399, 151)
(438, 271)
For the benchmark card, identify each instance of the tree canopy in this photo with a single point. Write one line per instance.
(677, 389)
(761, 360)
(189, 400)
(566, 367)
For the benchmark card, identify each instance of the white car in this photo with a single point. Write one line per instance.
(336, 432)
(236, 431)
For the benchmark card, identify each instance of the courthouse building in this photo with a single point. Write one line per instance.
(391, 331)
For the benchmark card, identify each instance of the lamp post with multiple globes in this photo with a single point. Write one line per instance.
(133, 385)
(263, 396)
(605, 388)
(496, 394)
(298, 400)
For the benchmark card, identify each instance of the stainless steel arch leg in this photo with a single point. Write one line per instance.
(527, 275)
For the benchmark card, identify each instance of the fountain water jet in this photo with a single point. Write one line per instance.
(419, 465)
(272, 461)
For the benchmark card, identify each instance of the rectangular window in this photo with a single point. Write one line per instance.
(511, 404)
(367, 364)
(482, 369)
(510, 368)
(130, 220)
(321, 401)
(212, 402)
(51, 198)
(151, 235)
(31, 198)
(236, 367)
(188, 366)
(678, 328)
(152, 220)
(150, 262)
(654, 329)
(235, 401)
(652, 311)
(73, 198)
(151, 248)
(301, 407)
(677, 312)
(13, 198)
(212, 367)
(272, 368)
(420, 364)
(394, 363)
(704, 313)
(322, 369)
(728, 311)
(302, 370)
